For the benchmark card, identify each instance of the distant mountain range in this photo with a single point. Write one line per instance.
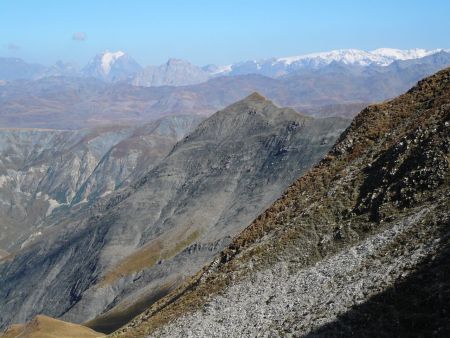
(276, 67)
(120, 67)
(335, 89)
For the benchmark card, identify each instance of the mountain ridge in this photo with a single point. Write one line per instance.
(145, 239)
(334, 90)
(119, 66)
(311, 255)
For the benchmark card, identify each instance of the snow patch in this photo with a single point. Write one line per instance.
(30, 239)
(3, 180)
(53, 204)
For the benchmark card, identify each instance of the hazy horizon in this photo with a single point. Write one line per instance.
(152, 32)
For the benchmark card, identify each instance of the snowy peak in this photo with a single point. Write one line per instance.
(109, 58)
(276, 67)
(112, 66)
(347, 56)
(381, 56)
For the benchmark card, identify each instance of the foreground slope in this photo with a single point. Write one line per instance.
(129, 250)
(46, 327)
(358, 246)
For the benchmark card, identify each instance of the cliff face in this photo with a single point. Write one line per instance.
(358, 246)
(132, 248)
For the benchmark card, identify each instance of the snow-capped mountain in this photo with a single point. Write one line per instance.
(112, 66)
(119, 66)
(275, 67)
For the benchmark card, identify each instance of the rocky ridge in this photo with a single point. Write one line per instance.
(132, 248)
(360, 239)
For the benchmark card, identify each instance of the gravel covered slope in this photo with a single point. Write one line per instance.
(358, 246)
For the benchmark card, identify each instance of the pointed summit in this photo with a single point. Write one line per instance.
(253, 112)
(253, 102)
(255, 96)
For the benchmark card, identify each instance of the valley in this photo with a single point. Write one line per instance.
(46, 173)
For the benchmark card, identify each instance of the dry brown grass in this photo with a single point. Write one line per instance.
(46, 327)
(164, 247)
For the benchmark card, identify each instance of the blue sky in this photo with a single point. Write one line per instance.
(215, 31)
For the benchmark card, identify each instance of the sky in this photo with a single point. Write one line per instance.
(215, 31)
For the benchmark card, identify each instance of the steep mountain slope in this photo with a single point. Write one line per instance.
(358, 246)
(335, 89)
(43, 173)
(131, 157)
(131, 249)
